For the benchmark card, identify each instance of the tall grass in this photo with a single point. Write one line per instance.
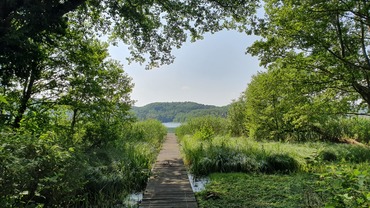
(225, 154)
(47, 171)
(124, 166)
(337, 175)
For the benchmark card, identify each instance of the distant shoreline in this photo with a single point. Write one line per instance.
(171, 124)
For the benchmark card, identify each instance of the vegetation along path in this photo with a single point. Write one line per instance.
(169, 186)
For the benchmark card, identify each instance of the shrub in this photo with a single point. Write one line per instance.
(204, 127)
(327, 155)
(216, 159)
(281, 163)
(345, 152)
(101, 134)
(148, 131)
(357, 128)
(39, 170)
(52, 170)
(348, 185)
(237, 117)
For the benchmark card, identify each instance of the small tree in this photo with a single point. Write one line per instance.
(237, 118)
(282, 103)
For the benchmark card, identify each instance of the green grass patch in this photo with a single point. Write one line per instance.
(277, 174)
(259, 190)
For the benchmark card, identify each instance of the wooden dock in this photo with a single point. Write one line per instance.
(169, 185)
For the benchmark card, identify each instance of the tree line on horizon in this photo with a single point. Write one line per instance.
(178, 111)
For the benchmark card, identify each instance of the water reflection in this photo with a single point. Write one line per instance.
(133, 200)
(172, 124)
(198, 183)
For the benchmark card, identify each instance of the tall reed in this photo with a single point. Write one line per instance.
(227, 154)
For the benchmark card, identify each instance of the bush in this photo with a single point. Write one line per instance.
(204, 127)
(151, 131)
(237, 117)
(223, 160)
(357, 128)
(345, 152)
(327, 155)
(348, 185)
(52, 170)
(39, 170)
(281, 163)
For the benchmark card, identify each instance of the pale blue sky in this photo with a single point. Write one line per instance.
(212, 71)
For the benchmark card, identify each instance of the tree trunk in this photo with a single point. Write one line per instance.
(363, 91)
(74, 120)
(27, 92)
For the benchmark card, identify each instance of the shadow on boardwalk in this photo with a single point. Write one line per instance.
(169, 185)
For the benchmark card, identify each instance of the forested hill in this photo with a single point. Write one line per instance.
(177, 111)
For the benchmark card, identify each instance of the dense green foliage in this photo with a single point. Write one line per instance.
(203, 127)
(178, 111)
(279, 105)
(356, 128)
(52, 170)
(256, 190)
(237, 118)
(278, 173)
(346, 185)
(327, 39)
(67, 136)
(335, 175)
(337, 188)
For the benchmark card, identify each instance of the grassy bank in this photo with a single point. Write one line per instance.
(259, 190)
(275, 174)
(225, 154)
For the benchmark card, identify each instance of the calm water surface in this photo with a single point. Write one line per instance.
(172, 124)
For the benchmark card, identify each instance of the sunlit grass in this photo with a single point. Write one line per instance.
(225, 154)
(277, 174)
(259, 190)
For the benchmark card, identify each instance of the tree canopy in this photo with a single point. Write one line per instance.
(148, 27)
(38, 38)
(279, 104)
(329, 38)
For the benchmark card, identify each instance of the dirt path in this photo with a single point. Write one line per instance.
(169, 186)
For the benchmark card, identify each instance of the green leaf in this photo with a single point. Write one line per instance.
(3, 100)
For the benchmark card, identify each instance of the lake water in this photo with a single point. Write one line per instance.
(172, 124)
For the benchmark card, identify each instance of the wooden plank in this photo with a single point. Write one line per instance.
(169, 185)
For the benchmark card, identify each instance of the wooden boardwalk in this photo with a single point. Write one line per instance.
(169, 185)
